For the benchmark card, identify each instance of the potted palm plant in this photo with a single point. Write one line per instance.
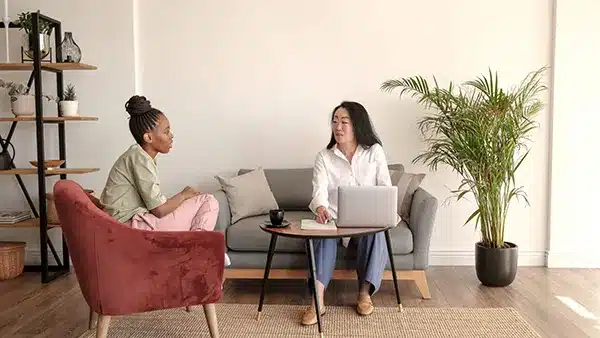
(481, 132)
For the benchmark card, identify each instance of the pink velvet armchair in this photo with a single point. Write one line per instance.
(123, 271)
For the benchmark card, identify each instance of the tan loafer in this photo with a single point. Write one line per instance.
(365, 306)
(309, 317)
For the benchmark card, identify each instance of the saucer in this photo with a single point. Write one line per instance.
(283, 224)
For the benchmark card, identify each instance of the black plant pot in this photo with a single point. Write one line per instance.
(496, 266)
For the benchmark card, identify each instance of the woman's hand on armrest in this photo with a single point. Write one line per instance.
(174, 202)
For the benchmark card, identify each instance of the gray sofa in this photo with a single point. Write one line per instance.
(247, 245)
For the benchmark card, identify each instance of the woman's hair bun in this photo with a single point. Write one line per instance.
(137, 105)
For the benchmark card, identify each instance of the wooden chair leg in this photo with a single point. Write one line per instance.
(91, 319)
(102, 329)
(210, 312)
(188, 308)
(421, 281)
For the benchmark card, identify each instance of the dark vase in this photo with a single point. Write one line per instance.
(69, 49)
(496, 266)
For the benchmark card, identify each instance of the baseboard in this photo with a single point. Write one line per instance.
(460, 257)
(573, 260)
(436, 258)
(34, 257)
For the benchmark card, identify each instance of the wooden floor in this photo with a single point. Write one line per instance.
(557, 302)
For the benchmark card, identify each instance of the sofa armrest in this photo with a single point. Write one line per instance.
(422, 218)
(224, 218)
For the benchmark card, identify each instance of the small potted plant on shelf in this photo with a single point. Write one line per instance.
(22, 102)
(45, 29)
(481, 131)
(69, 106)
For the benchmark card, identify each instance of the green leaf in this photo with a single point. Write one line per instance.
(462, 194)
(473, 215)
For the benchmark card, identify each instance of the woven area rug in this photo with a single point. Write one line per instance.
(239, 320)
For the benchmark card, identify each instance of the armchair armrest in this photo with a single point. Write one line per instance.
(224, 218)
(422, 218)
(139, 271)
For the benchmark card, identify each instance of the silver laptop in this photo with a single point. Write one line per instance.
(367, 206)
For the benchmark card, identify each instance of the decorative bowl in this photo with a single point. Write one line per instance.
(49, 164)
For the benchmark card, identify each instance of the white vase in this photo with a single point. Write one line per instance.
(69, 108)
(23, 105)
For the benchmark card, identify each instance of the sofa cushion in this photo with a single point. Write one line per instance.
(396, 167)
(400, 236)
(248, 195)
(292, 188)
(246, 235)
(402, 239)
(407, 184)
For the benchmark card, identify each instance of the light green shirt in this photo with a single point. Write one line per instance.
(132, 185)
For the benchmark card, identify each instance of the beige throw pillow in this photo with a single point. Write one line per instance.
(248, 194)
(407, 184)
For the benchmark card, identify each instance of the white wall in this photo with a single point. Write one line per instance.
(575, 229)
(253, 83)
(103, 30)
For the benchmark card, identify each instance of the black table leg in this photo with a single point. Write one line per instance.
(266, 276)
(391, 254)
(313, 276)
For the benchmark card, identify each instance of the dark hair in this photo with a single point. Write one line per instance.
(143, 118)
(361, 123)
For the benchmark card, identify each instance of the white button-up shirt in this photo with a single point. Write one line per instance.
(332, 169)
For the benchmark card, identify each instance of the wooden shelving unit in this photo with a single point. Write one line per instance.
(48, 172)
(47, 118)
(40, 219)
(30, 223)
(47, 66)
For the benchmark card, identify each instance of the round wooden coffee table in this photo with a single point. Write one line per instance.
(294, 231)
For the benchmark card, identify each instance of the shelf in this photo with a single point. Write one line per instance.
(57, 171)
(49, 65)
(10, 25)
(47, 118)
(30, 223)
(46, 244)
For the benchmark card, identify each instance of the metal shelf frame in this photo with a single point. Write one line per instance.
(62, 267)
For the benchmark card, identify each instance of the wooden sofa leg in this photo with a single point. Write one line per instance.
(188, 308)
(103, 323)
(210, 312)
(421, 281)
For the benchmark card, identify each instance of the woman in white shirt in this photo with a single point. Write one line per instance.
(354, 156)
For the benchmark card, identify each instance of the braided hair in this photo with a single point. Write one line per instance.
(143, 118)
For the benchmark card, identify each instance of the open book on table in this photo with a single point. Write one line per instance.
(311, 224)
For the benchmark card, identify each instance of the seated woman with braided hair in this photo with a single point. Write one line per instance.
(132, 194)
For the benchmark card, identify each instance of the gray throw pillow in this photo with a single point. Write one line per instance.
(407, 184)
(248, 194)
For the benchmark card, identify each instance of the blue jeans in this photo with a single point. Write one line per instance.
(371, 259)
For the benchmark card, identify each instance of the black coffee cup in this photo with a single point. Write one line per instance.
(276, 216)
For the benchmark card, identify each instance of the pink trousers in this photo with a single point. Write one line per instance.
(196, 213)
